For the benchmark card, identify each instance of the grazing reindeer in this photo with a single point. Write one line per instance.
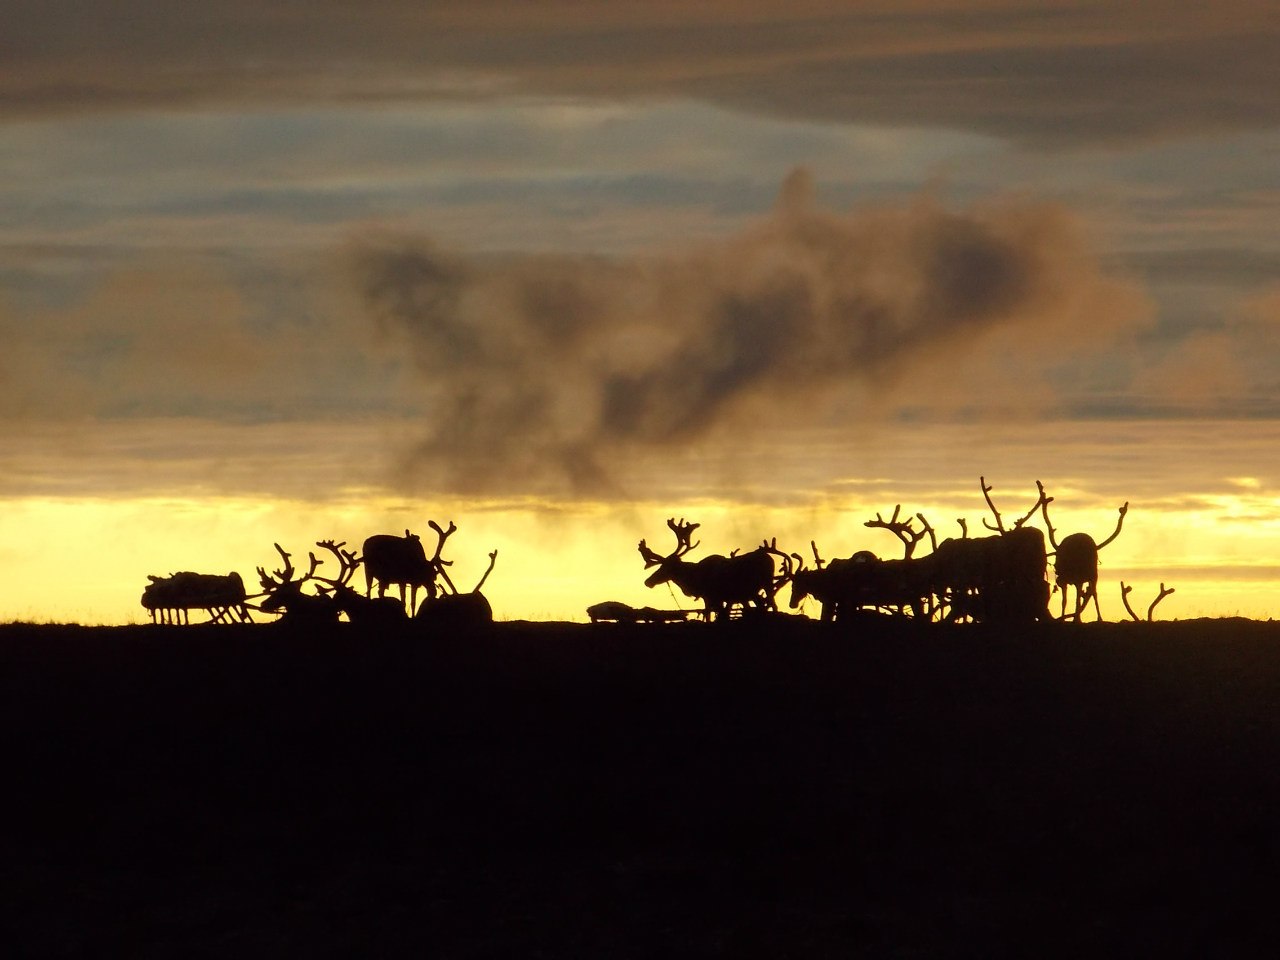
(360, 610)
(1076, 560)
(284, 592)
(719, 581)
(389, 559)
(838, 586)
(169, 599)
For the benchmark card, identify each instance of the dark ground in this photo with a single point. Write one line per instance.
(560, 790)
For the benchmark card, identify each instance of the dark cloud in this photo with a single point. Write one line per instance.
(1033, 71)
(560, 371)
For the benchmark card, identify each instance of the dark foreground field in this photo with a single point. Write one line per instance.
(544, 790)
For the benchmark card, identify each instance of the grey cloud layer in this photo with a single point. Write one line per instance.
(1031, 71)
(193, 335)
(554, 370)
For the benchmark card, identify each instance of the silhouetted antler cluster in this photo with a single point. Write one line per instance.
(387, 560)
(1000, 577)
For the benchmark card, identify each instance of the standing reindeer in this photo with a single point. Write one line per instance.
(1076, 561)
(720, 582)
(389, 559)
(998, 578)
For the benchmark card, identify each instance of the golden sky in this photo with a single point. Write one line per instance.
(281, 273)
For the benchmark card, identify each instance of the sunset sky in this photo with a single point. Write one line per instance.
(557, 271)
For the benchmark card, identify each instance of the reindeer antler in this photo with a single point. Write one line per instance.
(282, 578)
(1125, 590)
(928, 528)
(1041, 502)
(683, 532)
(986, 493)
(651, 558)
(493, 558)
(788, 571)
(1044, 509)
(1124, 509)
(899, 528)
(443, 535)
(286, 574)
(438, 563)
(348, 562)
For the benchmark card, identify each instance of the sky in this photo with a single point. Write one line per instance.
(277, 273)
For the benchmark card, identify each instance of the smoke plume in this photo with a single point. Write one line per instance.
(550, 372)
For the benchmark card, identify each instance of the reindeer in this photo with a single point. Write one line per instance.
(457, 609)
(839, 584)
(284, 593)
(997, 578)
(720, 582)
(1076, 561)
(615, 611)
(389, 559)
(169, 599)
(359, 609)
(992, 578)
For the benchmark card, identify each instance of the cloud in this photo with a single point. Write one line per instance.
(1199, 372)
(1029, 71)
(1227, 369)
(568, 371)
(194, 335)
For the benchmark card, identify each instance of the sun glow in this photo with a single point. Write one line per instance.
(83, 525)
(86, 560)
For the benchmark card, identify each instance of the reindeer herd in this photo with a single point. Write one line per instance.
(998, 577)
(308, 598)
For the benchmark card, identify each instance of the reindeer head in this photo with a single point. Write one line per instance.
(669, 565)
(282, 587)
(802, 580)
